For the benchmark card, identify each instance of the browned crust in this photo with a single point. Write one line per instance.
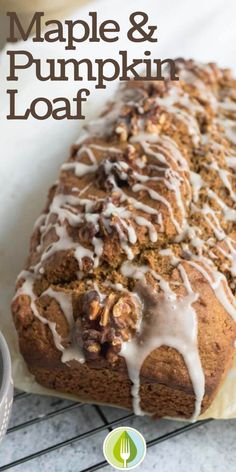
(166, 388)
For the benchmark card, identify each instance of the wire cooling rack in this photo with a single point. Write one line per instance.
(53, 425)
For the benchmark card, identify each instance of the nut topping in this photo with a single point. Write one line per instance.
(121, 308)
(103, 326)
(93, 348)
(106, 311)
(91, 305)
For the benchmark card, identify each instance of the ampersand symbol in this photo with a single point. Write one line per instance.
(138, 26)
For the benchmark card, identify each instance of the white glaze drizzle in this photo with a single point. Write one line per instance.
(170, 322)
(165, 151)
(231, 161)
(217, 282)
(156, 196)
(229, 213)
(141, 221)
(229, 129)
(175, 96)
(197, 184)
(65, 303)
(79, 168)
(224, 176)
(231, 255)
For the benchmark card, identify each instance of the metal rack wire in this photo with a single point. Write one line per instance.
(104, 426)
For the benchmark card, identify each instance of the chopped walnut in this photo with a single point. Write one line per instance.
(130, 152)
(112, 173)
(91, 305)
(87, 264)
(87, 232)
(92, 348)
(162, 119)
(102, 179)
(107, 308)
(103, 326)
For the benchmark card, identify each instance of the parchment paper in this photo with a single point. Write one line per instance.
(32, 151)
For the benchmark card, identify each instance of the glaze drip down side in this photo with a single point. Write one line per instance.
(130, 278)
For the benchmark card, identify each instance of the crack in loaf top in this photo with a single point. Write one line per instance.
(147, 199)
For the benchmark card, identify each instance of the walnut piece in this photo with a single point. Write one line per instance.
(107, 308)
(104, 325)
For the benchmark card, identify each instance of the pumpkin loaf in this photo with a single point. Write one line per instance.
(127, 297)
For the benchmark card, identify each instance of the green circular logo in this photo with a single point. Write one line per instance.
(124, 448)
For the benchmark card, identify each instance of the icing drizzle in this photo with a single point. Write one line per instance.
(167, 321)
(172, 193)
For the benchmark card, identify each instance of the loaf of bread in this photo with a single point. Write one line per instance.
(127, 297)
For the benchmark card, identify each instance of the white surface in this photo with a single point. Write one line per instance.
(31, 152)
